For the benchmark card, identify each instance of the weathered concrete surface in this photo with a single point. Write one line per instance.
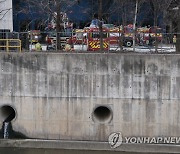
(55, 94)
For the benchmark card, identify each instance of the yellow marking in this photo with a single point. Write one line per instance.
(96, 45)
(8, 46)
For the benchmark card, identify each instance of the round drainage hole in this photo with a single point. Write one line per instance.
(102, 114)
(7, 113)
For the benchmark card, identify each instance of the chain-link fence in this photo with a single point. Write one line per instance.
(85, 41)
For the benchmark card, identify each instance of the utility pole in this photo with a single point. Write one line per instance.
(134, 25)
(49, 12)
(58, 25)
(100, 24)
(178, 30)
(92, 4)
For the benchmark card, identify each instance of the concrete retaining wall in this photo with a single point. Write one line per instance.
(54, 95)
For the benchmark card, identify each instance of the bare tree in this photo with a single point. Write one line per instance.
(119, 7)
(159, 7)
(178, 36)
(123, 9)
(49, 9)
(128, 11)
(137, 9)
(100, 24)
(174, 12)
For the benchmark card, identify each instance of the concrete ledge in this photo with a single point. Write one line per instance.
(88, 146)
(87, 53)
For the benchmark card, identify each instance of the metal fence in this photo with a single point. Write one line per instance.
(10, 45)
(86, 42)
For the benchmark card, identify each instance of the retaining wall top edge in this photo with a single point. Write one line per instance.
(90, 53)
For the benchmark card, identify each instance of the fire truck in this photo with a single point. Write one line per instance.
(34, 36)
(89, 38)
(66, 33)
(144, 35)
(147, 36)
(115, 35)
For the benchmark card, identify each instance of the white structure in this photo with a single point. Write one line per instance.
(6, 15)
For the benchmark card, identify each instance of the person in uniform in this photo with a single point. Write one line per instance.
(38, 46)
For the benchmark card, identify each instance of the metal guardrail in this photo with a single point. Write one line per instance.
(10, 44)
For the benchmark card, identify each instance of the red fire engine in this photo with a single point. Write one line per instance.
(115, 35)
(34, 36)
(89, 37)
(147, 36)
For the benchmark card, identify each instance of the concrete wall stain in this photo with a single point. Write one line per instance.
(55, 94)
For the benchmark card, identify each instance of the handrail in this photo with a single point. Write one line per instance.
(8, 44)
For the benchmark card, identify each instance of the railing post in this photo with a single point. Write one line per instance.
(20, 45)
(31, 40)
(56, 41)
(18, 35)
(108, 41)
(7, 45)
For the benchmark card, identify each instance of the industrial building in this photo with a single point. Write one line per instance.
(6, 15)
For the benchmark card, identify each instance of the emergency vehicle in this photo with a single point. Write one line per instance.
(51, 39)
(144, 35)
(65, 34)
(34, 36)
(115, 35)
(89, 38)
(148, 35)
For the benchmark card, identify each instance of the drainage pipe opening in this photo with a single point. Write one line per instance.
(102, 114)
(7, 113)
